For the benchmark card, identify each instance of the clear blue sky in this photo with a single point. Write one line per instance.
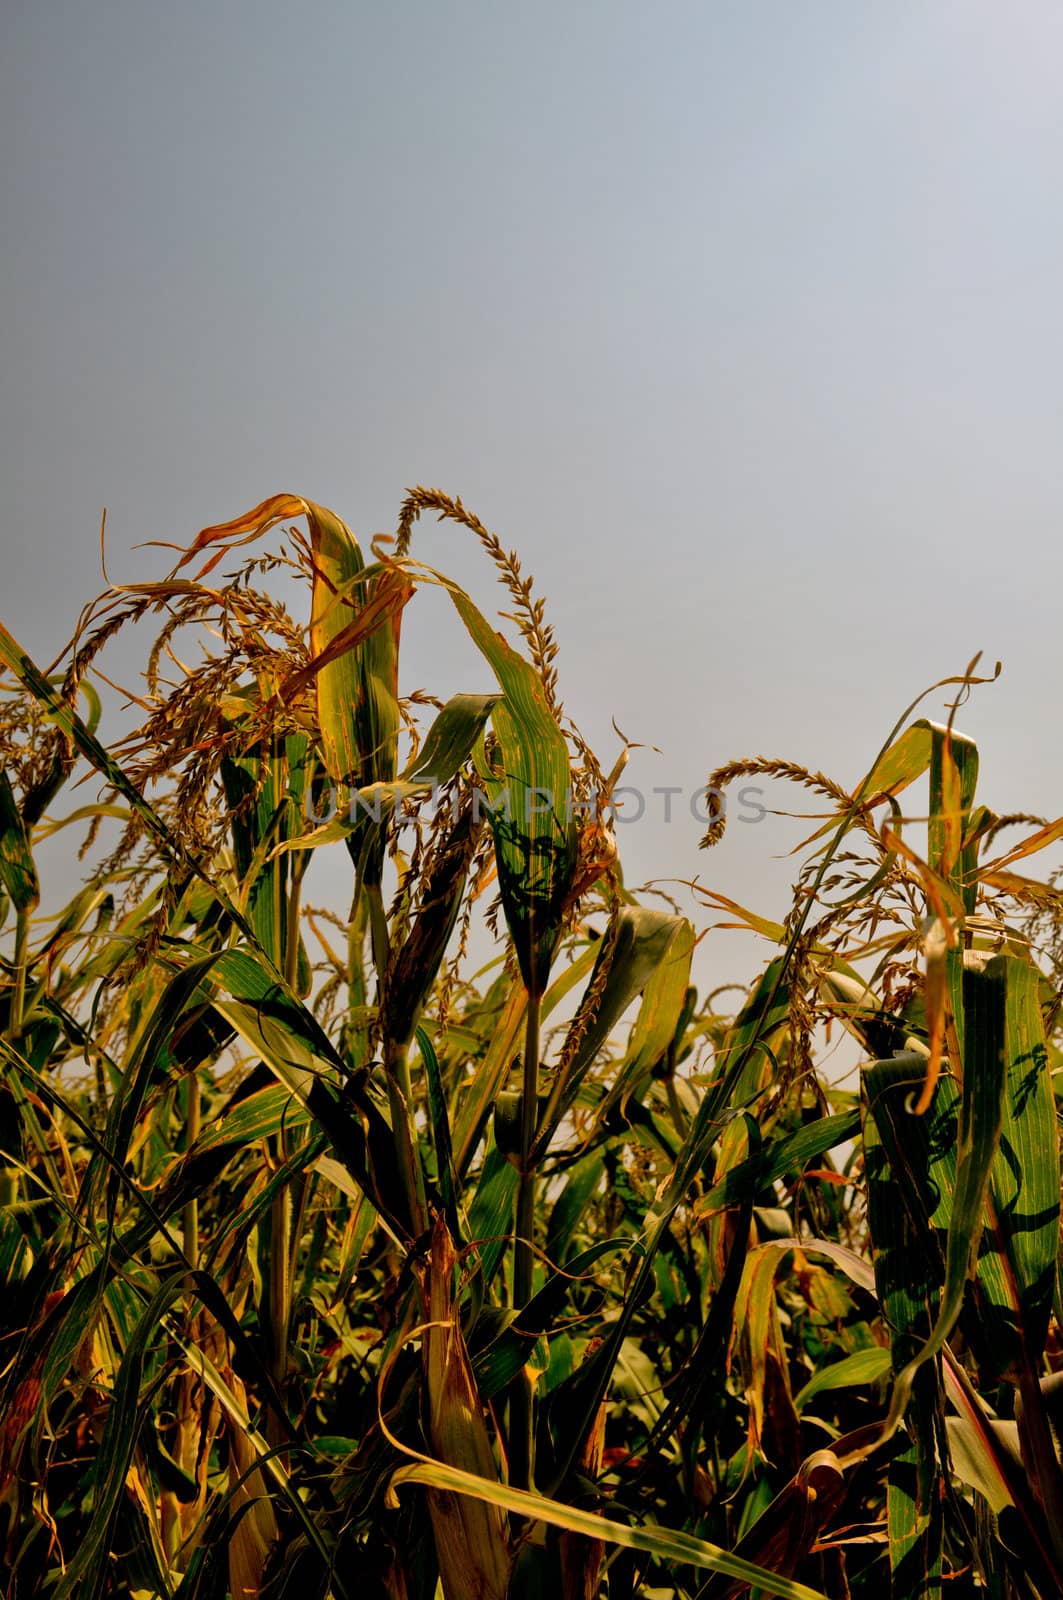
(742, 321)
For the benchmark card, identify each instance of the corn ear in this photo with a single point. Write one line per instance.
(582, 1558)
(472, 1539)
(256, 1532)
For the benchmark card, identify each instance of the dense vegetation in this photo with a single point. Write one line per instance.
(332, 1270)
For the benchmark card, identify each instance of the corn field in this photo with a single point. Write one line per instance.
(335, 1267)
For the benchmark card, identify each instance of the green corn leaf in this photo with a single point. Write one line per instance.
(261, 1116)
(911, 1160)
(979, 1128)
(762, 1018)
(778, 1158)
(1016, 1268)
(748, 1060)
(291, 1042)
(1016, 1242)
(17, 871)
(440, 1121)
(357, 689)
(261, 790)
(150, 1061)
(451, 738)
(666, 1006)
(679, 1549)
(582, 1183)
(530, 798)
(448, 744)
(915, 1496)
(909, 1269)
(480, 1096)
(127, 1415)
(491, 1212)
(863, 1367)
(502, 1359)
(902, 764)
(646, 952)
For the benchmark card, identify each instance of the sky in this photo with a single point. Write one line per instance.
(740, 320)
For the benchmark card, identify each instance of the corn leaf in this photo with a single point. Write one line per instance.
(530, 793)
(680, 1549)
(854, 1371)
(646, 952)
(17, 871)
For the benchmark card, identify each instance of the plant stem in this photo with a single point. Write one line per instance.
(674, 1106)
(282, 1237)
(190, 1219)
(524, 1255)
(18, 991)
(400, 1104)
(522, 1401)
(1040, 1453)
(293, 915)
(396, 1071)
(280, 1300)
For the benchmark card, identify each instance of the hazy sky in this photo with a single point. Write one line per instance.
(742, 321)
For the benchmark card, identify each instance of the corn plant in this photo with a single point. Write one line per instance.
(958, 1156)
(333, 1267)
